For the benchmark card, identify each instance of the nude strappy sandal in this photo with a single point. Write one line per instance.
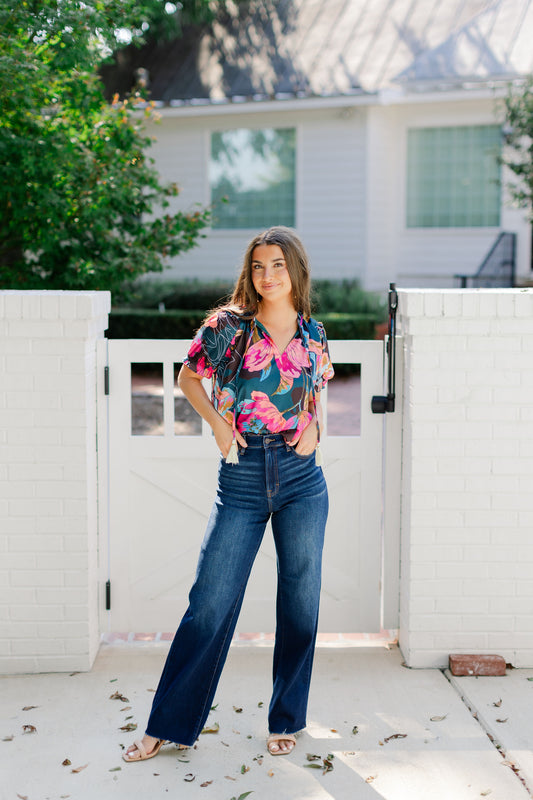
(274, 738)
(144, 756)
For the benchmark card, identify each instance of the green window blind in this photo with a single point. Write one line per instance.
(453, 177)
(253, 178)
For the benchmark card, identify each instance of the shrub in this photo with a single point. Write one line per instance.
(139, 323)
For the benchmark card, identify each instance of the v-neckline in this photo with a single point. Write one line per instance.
(280, 352)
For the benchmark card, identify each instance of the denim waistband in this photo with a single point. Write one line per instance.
(264, 439)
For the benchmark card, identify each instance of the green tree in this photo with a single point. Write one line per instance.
(518, 151)
(81, 205)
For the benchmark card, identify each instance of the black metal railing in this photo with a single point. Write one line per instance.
(497, 268)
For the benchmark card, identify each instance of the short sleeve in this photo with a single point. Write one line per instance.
(325, 371)
(211, 344)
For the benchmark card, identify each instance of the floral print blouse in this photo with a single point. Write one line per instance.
(271, 392)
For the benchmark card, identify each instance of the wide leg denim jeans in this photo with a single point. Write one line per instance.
(271, 480)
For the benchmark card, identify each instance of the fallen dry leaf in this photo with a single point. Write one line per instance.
(118, 696)
(333, 730)
(437, 719)
(261, 704)
(29, 729)
(115, 769)
(8, 738)
(22, 796)
(498, 703)
(79, 769)
(502, 720)
(237, 709)
(66, 763)
(234, 731)
(229, 778)
(508, 764)
(29, 708)
(370, 778)
(312, 757)
(380, 744)
(395, 736)
(206, 783)
(126, 708)
(258, 759)
(355, 730)
(271, 773)
(189, 777)
(130, 726)
(150, 690)
(485, 793)
(244, 769)
(214, 728)
(225, 744)
(328, 763)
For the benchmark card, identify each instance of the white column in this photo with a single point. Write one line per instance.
(467, 475)
(48, 499)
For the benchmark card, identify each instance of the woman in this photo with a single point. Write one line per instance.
(268, 360)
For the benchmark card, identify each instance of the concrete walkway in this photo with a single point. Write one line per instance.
(362, 698)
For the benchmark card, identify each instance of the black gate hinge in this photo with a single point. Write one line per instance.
(383, 404)
(108, 595)
(106, 380)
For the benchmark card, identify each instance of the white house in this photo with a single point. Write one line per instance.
(373, 128)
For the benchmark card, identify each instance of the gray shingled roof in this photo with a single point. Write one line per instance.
(303, 48)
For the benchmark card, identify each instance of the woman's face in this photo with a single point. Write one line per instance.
(270, 275)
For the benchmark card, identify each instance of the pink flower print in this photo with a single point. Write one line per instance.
(269, 414)
(203, 368)
(258, 356)
(196, 346)
(212, 321)
(225, 400)
(293, 359)
(304, 418)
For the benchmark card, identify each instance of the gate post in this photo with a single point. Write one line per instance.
(467, 473)
(48, 505)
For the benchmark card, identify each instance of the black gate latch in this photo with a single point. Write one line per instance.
(381, 404)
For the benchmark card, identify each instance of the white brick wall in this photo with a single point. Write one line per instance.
(467, 475)
(48, 613)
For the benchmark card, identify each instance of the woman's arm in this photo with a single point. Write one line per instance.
(191, 385)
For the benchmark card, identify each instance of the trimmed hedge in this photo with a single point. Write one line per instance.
(149, 324)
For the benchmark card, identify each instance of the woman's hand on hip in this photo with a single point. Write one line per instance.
(307, 442)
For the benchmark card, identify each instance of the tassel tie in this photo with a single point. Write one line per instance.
(319, 460)
(233, 454)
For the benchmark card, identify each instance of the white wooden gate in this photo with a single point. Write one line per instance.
(156, 492)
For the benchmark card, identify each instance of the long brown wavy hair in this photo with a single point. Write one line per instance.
(245, 298)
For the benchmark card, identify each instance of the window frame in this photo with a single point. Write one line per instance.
(278, 125)
(443, 229)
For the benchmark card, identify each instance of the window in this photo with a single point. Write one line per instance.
(453, 177)
(253, 176)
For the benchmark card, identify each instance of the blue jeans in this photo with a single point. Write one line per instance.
(271, 480)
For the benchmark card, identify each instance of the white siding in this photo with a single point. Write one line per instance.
(350, 193)
(423, 257)
(330, 184)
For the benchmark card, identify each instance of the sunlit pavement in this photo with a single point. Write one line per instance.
(384, 730)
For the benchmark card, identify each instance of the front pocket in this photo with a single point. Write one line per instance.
(302, 458)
